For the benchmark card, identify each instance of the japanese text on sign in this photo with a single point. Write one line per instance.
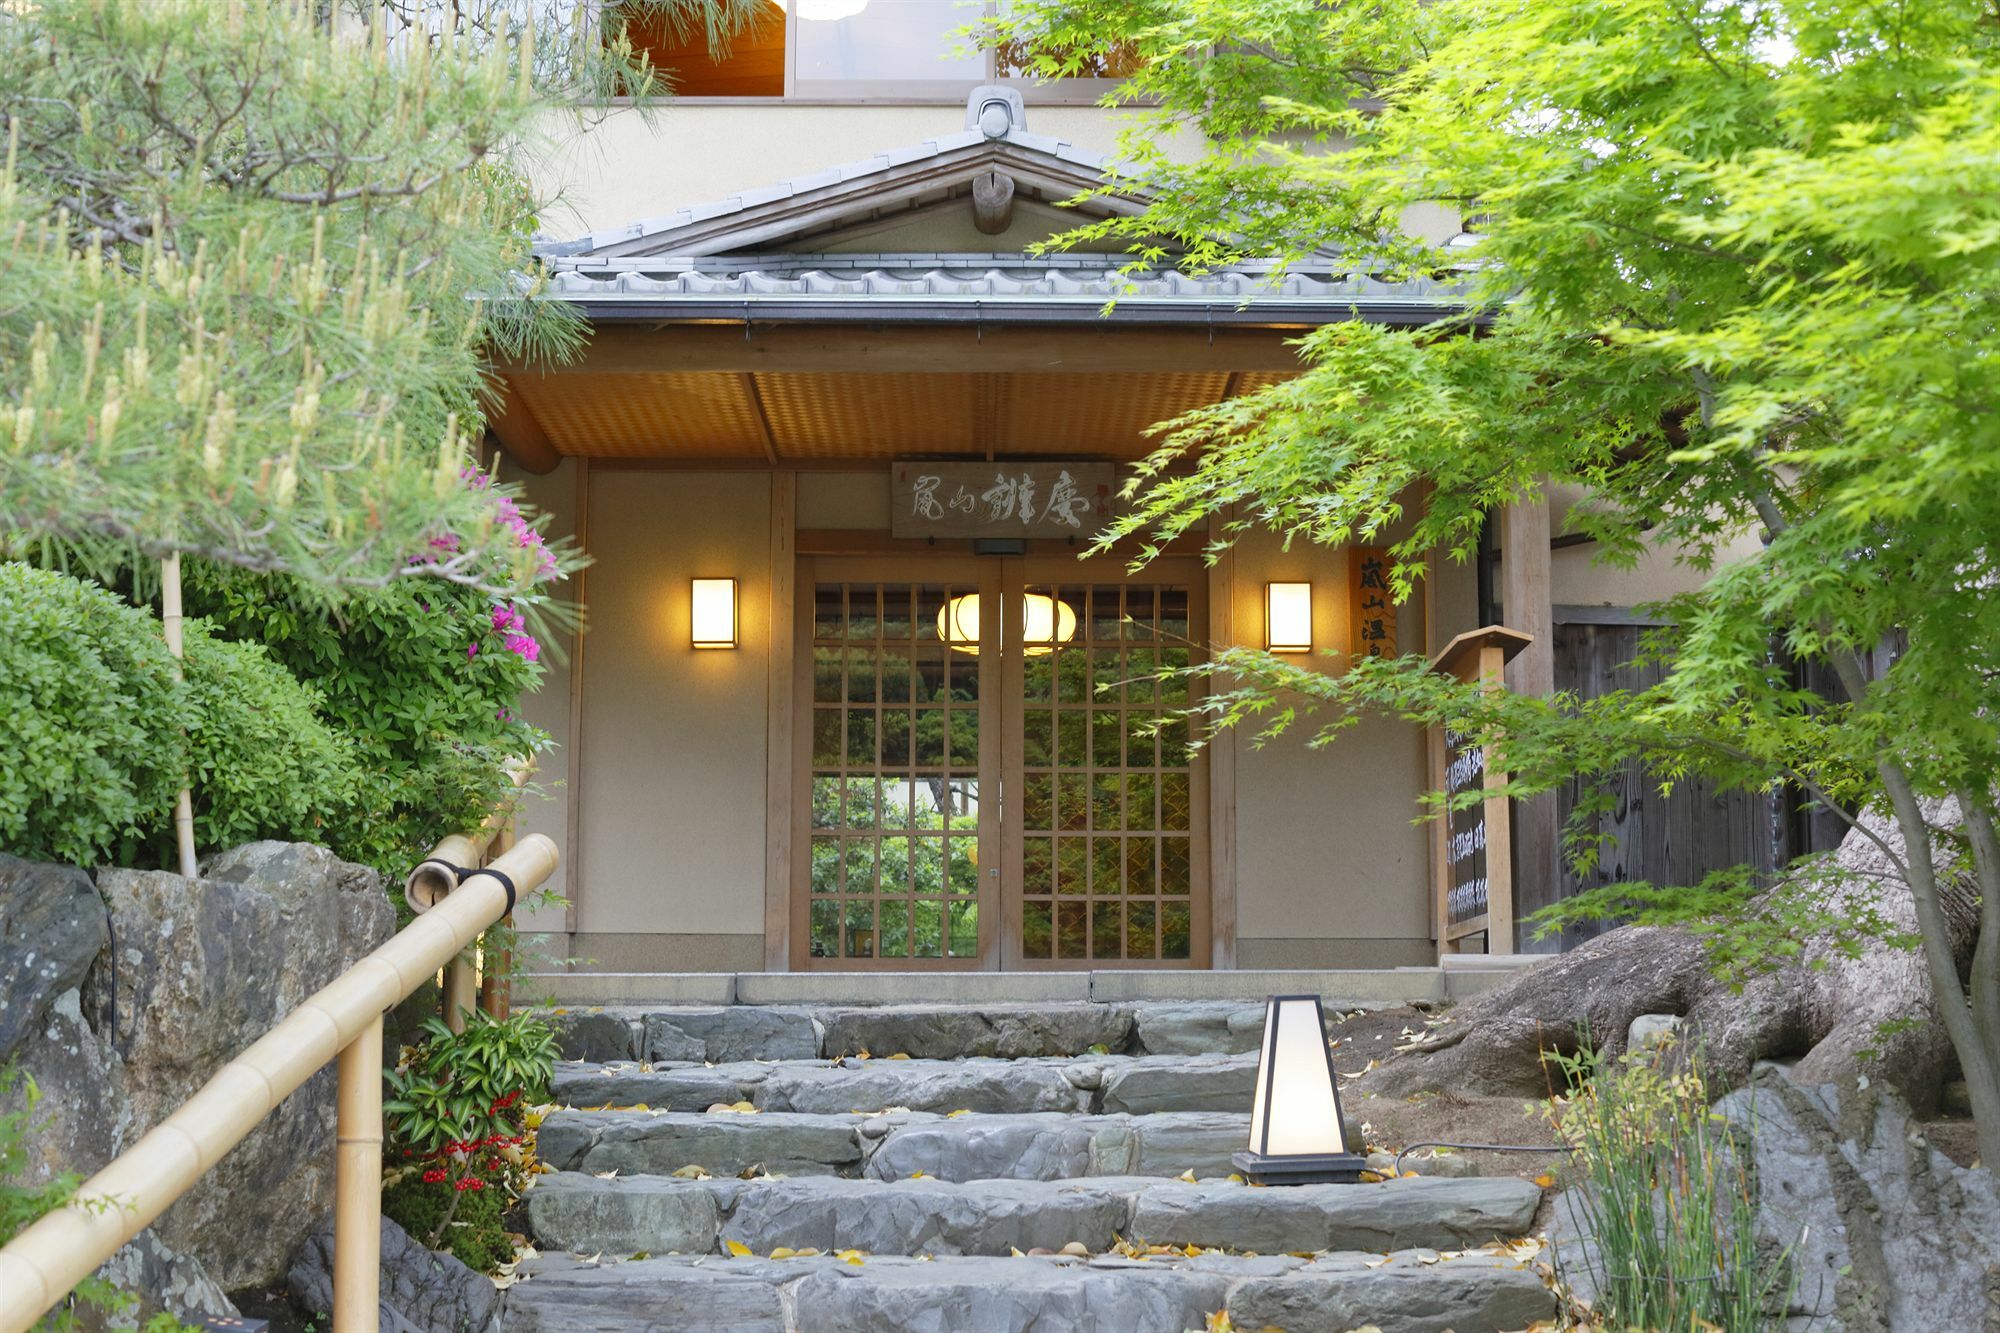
(1000, 499)
(1370, 612)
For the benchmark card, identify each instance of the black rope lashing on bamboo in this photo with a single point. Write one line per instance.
(505, 883)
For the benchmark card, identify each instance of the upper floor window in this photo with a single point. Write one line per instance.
(848, 50)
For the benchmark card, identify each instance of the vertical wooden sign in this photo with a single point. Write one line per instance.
(1473, 872)
(1371, 616)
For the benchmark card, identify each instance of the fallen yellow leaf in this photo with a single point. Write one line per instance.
(1545, 1180)
(737, 1249)
(1187, 1175)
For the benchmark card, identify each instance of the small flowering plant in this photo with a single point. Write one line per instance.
(456, 1106)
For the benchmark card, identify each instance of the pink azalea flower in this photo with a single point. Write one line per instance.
(471, 651)
(524, 645)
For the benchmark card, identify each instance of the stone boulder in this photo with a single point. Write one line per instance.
(422, 1291)
(52, 924)
(1889, 1233)
(195, 971)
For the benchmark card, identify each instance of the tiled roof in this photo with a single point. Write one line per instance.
(1001, 286)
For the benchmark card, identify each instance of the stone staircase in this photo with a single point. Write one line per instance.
(1038, 1167)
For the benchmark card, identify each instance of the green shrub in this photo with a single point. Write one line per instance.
(264, 763)
(419, 677)
(91, 720)
(466, 1223)
(99, 733)
(456, 1118)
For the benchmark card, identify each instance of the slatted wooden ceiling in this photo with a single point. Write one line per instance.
(814, 416)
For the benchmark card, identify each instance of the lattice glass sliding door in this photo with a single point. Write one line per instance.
(901, 793)
(1107, 842)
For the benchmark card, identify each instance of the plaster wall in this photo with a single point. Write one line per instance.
(1327, 855)
(672, 799)
(633, 165)
(555, 494)
(1578, 578)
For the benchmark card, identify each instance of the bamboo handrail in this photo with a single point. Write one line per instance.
(344, 1018)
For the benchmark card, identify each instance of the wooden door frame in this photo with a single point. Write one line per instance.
(1069, 572)
(1211, 785)
(983, 575)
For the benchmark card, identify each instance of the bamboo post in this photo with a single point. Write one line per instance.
(43, 1263)
(170, 624)
(433, 879)
(357, 1186)
(496, 988)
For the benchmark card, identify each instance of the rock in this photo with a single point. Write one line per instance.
(687, 1088)
(1198, 1029)
(1470, 1294)
(1650, 1030)
(599, 1036)
(1003, 1296)
(571, 1211)
(1451, 1166)
(932, 1032)
(196, 972)
(1147, 1084)
(51, 927)
(990, 1147)
(205, 968)
(791, 1145)
(1445, 1214)
(1171, 1142)
(1891, 1234)
(422, 1291)
(732, 1032)
(925, 1216)
(165, 1281)
(994, 1086)
(648, 1296)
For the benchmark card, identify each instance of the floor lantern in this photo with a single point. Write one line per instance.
(1296, 1136)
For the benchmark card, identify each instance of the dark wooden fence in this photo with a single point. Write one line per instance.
(1666, 838)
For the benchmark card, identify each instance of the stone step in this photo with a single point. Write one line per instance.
(1134, 1084)
(1045, 1146)
(1412, 1292)
(1342, 988)
(588, 1214)
(722, 1033)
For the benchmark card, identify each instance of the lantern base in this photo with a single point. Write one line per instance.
(1339, 1168)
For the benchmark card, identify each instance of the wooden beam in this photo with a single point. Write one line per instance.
(779, 717)
(763, 418)
(521, 435)
(1525, 602)
(992, 202)
(633, 349)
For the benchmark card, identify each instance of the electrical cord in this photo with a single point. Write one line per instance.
(1481, 1147)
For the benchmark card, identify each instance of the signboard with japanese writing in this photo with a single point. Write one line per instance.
(1467, 889)
(1370, 613)
(1034, 499)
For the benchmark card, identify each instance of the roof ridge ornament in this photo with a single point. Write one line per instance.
(995, 111)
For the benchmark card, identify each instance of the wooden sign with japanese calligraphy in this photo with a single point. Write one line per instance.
(1371, 616)
(1035, 499)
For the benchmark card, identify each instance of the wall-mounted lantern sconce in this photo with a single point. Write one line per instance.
(1296, 1136)
(1288, 617)
(712, 620)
